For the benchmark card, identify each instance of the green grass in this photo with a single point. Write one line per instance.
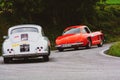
(113, 1)
(114, 49)
(110, 2)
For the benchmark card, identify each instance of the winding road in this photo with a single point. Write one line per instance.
(82, 64)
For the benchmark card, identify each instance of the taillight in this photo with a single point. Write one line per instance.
(39, 49)
(7, 49)
(10, 50)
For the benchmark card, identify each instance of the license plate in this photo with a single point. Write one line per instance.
(24, 48)
(66, 45)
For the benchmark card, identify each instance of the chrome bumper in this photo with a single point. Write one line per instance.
(68, 45)
(25, 55)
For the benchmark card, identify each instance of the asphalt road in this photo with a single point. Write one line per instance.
(83, 64)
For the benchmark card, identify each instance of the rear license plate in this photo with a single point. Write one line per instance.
(24, 48)
(66, 45)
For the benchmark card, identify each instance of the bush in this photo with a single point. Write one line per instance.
(115, 49)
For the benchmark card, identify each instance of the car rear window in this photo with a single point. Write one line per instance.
(72, 31)
(24, 29)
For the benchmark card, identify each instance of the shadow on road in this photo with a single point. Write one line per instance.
(27, 61)
(80, 48)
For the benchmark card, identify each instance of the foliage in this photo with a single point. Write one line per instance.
(107, 20)
(115, 49)
(52, 11)
(5, 5)
(113, 1)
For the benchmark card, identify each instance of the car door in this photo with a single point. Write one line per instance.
(94, 37)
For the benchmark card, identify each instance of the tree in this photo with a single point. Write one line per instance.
(5, 6)
(56, 14)
(53, 11)
(69, 12)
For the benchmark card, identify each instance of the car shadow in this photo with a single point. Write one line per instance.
(80, 48)
(28, 61)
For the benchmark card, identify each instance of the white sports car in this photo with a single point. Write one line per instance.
(25, 41)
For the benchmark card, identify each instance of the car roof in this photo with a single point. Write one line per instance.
(76, 26)
(25, 25)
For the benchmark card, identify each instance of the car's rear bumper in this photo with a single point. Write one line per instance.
(69, 45)
(23, 55)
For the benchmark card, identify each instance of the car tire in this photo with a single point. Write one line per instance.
(76, 48)
(101, 43)
(49, 51)
(46, 58)
(7, 60)
(89, 44)
(60, 49)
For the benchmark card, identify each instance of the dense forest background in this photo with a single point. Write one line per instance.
(55, 15)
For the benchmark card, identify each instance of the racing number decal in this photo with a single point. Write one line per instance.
(15, 45)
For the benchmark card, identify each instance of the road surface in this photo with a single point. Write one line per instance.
(83, 64)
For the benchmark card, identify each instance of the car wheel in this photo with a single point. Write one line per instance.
(89, 44)
(49, 51)
(76, 48)
(101, 43)
(7, 60)
(60, 49)
(46, 58)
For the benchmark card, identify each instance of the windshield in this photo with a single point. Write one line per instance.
(72, 31)
(24, 29)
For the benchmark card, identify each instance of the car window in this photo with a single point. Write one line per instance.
(72, 31)
(24, 29)
(43, 34)
(83, 31)
(87, 30)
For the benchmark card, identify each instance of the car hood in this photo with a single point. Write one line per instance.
(27, 36)
(69, 38)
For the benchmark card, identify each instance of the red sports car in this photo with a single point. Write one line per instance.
(79, 36)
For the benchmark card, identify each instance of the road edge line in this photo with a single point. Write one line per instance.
(103, 52)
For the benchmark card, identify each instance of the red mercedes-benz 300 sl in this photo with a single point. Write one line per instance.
(79, 36)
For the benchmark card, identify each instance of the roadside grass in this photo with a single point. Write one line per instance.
(114, 49)
(110, 2)
(113, 1)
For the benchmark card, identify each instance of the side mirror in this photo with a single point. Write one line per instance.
(5, 37)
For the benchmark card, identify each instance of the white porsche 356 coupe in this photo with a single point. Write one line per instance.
(25, 41)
